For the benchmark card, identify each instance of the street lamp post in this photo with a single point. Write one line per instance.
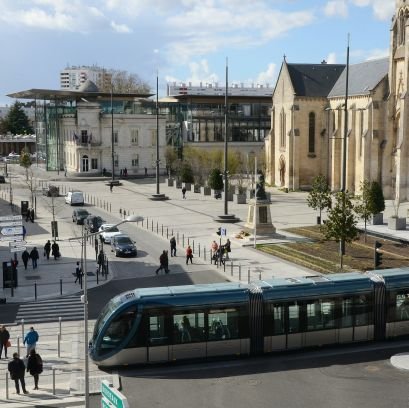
(83, 238)
(112, 136)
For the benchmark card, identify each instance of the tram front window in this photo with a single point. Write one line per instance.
(117, 330)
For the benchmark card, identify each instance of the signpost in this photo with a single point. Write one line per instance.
(111, 397)
(223, 231)
(11, 223)
(11, 238)
(11, 218)
(11, 231)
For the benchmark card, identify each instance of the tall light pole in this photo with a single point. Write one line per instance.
(83, 239)
(112, 135)
(226, 117)
(157, 133)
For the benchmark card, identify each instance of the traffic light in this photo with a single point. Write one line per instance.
(219, 231)
(378, 254)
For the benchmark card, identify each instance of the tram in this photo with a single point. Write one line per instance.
(165, 324)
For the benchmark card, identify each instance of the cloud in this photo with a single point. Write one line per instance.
(120, 28)
(336, 8)
(199, 72)
(268, 76)
(331, 58)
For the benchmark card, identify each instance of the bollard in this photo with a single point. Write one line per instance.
(204, 253)
(152, 225)
(231, 266)
(193, 246)
(248, 276)
(172, 232)
(59, 325)
(188, 240)
(7, 385)
(53, 381)
(177, 237)
(22, 328)
(109, 207)
(59, 345)
(167, 232)
(224, 266)
(239, 272)
(162, 230)
(60, 286)
(199, 249)
(35, 290)
(259, 275)
(157, 227)
(18, 344)
(183, 240)
(120, 211)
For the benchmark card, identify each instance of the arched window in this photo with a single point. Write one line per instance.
(311, 132)
(402, 29)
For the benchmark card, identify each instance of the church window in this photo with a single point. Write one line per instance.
(282, 129)
(361, 130)
(311, 132)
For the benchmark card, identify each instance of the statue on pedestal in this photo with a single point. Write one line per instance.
(260, 191)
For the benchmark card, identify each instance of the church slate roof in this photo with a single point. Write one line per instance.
(314, 80)
(363, 78)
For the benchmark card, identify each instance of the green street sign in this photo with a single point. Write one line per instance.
(111, 397)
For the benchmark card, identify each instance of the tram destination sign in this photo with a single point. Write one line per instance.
(111, 397)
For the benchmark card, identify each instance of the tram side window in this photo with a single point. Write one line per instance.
(118, 329)
(188, 327)
(157, 331)
(320, 315)
(223, 324)
(293, 318)
(279, 318)
(362, 310)
(402, 306)
(346, 313)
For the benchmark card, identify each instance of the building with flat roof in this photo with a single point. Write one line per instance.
(71, 78)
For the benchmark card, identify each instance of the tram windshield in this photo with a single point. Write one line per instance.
(118, 329)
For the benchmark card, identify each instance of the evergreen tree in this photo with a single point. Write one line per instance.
(319, 197)
(216, 179)
(377, 198)
(186, 173)
(341, 222)
(16, 121)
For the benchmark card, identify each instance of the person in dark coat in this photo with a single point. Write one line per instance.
(55, 250)
(184, 192)
(172, 246)
(4, 340)
(17, 371)
(25, 256)
(32, 214)
(111, 186)
(78, 273)
(47, 249)
(164, 262)
(34, 257)
(35, 366)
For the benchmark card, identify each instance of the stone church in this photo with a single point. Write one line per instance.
(311, 116)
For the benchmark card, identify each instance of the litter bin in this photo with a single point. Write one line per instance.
(24, 208)
(9, 275)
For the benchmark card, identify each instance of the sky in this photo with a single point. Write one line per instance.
(184, 40)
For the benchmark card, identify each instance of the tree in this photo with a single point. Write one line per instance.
(25, 161)
(171, 158)
(364, 206)
(377, 198)
(215, 179)
(186, 173)
(16, 121)
(319, 197)
(125, 82)
(341, 222)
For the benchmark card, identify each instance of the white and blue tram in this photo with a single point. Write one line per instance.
(167, 324)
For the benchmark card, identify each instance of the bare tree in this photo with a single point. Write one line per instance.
(125, 82)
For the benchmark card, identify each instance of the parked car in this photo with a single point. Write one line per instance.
(2, 179)
(51, 191)
(107, 231)
(123, 245)
(93, 222)
(79, 215)
(74, 198)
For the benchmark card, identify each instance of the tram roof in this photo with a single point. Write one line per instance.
(328, 285)
(187, 294)
(395, 278)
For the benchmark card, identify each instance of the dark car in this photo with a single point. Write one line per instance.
(2, 179)
(79, 215)
(123, 245)
(93, 222)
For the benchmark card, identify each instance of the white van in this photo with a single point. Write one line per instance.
(75, 198)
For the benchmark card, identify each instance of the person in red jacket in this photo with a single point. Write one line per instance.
(189, 254)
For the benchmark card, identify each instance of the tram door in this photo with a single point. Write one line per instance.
(158, 340)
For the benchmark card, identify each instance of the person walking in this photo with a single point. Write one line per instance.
(35, 366)
(17, 371)
(184, 192)
(32, 215)
(78, 273)
(25, 256)
(47, 249)
(101, 260)
(163, 262)
(111, 186)
(31, 340)
(55, 250)
(189, 255)
(172, 246)
(34, 257)
(227, 248)
(4, 340)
